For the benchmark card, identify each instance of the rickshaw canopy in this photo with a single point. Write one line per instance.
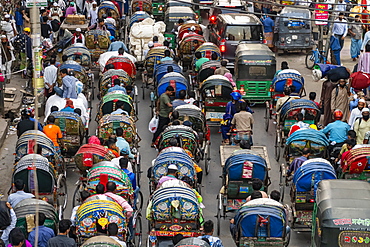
(41, 139)
(175, 13)
(192, 242)
(106, 6)
(280, 80)
(174, 79)
(293, 107)
(80, 53)
(161, 70)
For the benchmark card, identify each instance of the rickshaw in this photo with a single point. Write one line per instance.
(172, 15)
(356, 164)
(79, 54)
(187, 47)
(207, 49)
(172, 156)
(261, 222)
(97, 41)
(108, 104)
(255, 67)
(340, 215)
(161, 70)
(51, 185)
(73, 131)
(109, 172)
(123, 63)
(195, 115)
(26, 208)
(239, 170)
(206, 70)
(304, 187)
(185, 28)
(101, 241)
(86, 77)
(106, 80)
(137, 17)
(215, 93)
(109, 123)
(287, 118)
(194, 242)
(294, 33)
(185, 135)
(25, 145)
(108, 7)
(285, 78)
(174, 79)
(144, 5)
(173, 209)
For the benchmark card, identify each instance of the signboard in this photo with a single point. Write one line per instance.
(321, 16)
(39, 3)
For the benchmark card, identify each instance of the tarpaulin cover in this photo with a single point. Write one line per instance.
(309, 135)
(174, 79)
(161, 70)
(280, 80)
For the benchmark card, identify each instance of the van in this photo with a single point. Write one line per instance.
(228, 29)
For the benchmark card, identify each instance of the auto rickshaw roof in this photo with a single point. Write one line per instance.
(253, 50)
(343, 203)
(179, 10)
(240, 19)
(295, 12)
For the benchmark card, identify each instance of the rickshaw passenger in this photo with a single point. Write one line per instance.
(111, 187)
(171, 175)
(116, 45)
(117, 86)
(167, 57)
(99, 25)
(53, 132)
(19, 195)
(122, 144)
(113, 232)
(156, 42)
(180, 100)
(233, 106)
(243, 121)
(299, 125)
(257, 186)
(284, 65)
(208, 229)
(69, 107)
(201, 60)
(337, 130)
(297, 162)
(119, 108)
(123, 162)
(222, 70)
(350, 144)
(111, 144)
(84, 195)
(44, 233)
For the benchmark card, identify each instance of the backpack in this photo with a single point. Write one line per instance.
(5, 219)
(360, 80)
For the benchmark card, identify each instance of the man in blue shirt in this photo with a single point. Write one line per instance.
(268, 29)
(116, 45)
(167, 57)
(119, 108)
(340, 29)
(45, 233)
(122, 144)
(20, 195)
(337, 130)
(208, 232)
(69, 86)
(117, 86)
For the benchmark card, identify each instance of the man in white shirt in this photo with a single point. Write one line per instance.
(55, 14)
(341, 6)
(8, 26)
(356, 112)
(50, 78)
(20, 195)
(340, 29)
(93, 14)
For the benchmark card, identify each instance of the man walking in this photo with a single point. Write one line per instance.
(6, 58)
(50, 78)
(340, 29)
(340, 99)
(164, 108)
(355, 30)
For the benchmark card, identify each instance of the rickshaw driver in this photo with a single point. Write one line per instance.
(297, 162)
(243, 122)
(286, 98)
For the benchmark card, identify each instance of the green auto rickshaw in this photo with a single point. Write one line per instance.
(341, 215)
(255, 67)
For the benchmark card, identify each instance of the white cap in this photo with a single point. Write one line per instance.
(362, 100)
(78, 29)
(192, 28)
(172, 167)
(3, 37)
(7, 16)
(42, 8)
(55, 4)
(365, 109)
(94, 3)
(150, 44)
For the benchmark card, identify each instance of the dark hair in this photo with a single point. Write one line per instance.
(16, 236)
(176, 122)
(64, 71)
(64, 225)
(351, 134)
(178, 237)
(245, 144)
(299, 116)
(182, 94)
(169, 69)
(109, 66)
(306, 151)
(110, 142)
(111, 186)
(170, 88)
(119, 104)
(192, 94)
(312, 95)
(275, 195)
(175, 114)
(99, 189)
(256, 195)
(119, 131)
(341, 13)
(214, 56)
(85, 194)
(292, 88)
(121, 51)
(198, 54)
(166, 43)
(38, 149)
(64, 58)
(129, 88)
(367, 48)
(78, 111)
(208, 226)
(100, 20)
(112, 229)
(79, 41)
(223, 63)
(19, 184)
(155, 38)
(123, 163)
(117, 81)
(287, 91)
(52, 61)
(42, 218)
(181, 21)
(176, 59)
(284, 65)
(187, 180)
(167, 53)
(51, 119)
(256, 184)
(351, 142)
(357, 16)
(242, 106)
(54, 108)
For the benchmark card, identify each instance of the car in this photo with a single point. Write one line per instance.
(227, 30)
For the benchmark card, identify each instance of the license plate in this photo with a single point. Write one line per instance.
(214, 115)
(294, 36)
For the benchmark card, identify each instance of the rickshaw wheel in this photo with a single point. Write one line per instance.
(76, 195)
(139, 201)
(277, 147)
(282, 183)
(138, 232)
(310, 60)
(287, 237)
(207, 158)
(62, 192)
(267, 118)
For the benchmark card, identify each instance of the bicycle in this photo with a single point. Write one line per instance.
(314, 57)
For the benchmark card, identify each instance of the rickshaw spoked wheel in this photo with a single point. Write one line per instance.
(218, 221)
(267, 118)
(62, 193)
(76, 195)
(139, 201)
(282, 183)
(207, 158)
(277, 147)
(137, 238)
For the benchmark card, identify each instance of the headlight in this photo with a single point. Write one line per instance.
(184, 170)
(162, 206)
(161, 170)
